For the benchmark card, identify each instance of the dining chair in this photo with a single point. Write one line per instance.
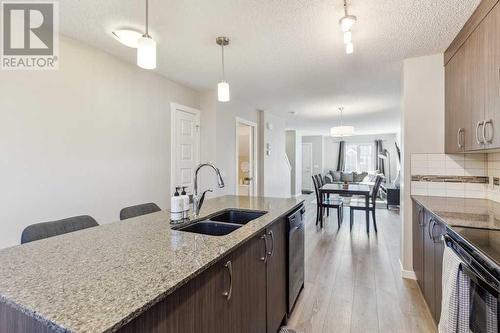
(360, 204)
(326, 203)
(138, 210)
(49, 229)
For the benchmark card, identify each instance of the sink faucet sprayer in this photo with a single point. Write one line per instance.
(198, 200)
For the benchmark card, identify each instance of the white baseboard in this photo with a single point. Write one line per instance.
(405, 274)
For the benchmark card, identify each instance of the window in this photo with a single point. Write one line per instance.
(359, 157)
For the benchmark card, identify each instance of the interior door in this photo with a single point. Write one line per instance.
(307, 167)
(186, 147)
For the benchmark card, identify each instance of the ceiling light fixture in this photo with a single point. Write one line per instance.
(127, 37)
(349, 48)
(223, 94)
(347, 37)
(346, 24)
(341, 131)
(146, 47)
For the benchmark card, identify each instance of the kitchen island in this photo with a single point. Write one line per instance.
(140, 275)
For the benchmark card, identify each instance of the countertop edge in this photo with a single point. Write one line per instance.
(35, 315)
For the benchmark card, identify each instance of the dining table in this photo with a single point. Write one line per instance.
(348, 189)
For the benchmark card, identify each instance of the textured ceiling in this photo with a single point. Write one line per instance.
(285, 55)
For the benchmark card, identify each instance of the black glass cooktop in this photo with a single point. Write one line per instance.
(485, 240)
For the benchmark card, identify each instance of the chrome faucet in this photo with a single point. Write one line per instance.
(198, 200)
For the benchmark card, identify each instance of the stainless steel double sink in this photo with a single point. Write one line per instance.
(223, 222)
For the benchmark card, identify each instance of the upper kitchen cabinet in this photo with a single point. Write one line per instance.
(472, 83)
(492, 78)
(457, 131)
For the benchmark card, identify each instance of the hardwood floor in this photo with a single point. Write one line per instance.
(353, 281)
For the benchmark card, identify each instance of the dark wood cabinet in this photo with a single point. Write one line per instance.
(428, 249)
(472, 83)
(439, 230)
(491, 36)
(246, 308)
(457, 131)
(276, 276)
(195, 307)
(244, 292)
(428, 283)
(418, 243)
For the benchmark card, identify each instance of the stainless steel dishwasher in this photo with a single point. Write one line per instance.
(296, 246)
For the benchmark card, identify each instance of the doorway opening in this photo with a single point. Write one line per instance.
(246, 157)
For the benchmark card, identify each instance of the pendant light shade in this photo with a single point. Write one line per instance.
(347, 22)
(223, 94)
(347, 37)
(341, 131)
(146, 52)
(349, 48)
(146, 47)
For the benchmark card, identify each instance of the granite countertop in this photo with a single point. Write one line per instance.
(475, 220)
(98, 279)
(463, 212)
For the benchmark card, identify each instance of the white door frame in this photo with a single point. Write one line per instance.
(173, 111)
(255, 143)
(311, 159)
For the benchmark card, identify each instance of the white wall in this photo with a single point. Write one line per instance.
(276, 180)
(218, 140)
(422, 129)
(226, 140)
(90, 138)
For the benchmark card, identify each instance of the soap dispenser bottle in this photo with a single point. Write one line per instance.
(185, 202)
(176, 207)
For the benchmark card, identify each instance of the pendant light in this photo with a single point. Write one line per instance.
(223, 94)
(146, 47)
(346, 24)
(341, 131)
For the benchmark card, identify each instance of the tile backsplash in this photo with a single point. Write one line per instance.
(451, 175)
(494, 174)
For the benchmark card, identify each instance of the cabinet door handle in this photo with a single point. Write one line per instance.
(429, 229)
(434, 238)
(478, 139)
(271, 253)
(486, 123)
(459, 138)
(420, 219)
(264, 258)
(229, 292)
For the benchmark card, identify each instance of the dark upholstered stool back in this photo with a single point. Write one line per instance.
(49, 229)
(138, 210)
